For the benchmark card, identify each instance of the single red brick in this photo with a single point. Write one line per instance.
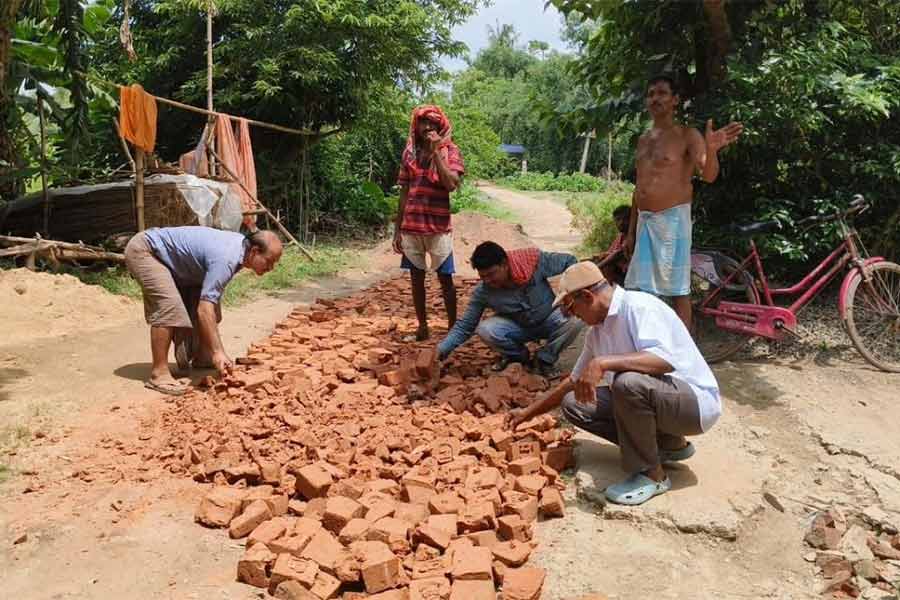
(379, 566)
(429, 567)
(491, 495)
(558, 458)
(269, 472)
(446, 503)
(290, 544)
(339, 511)
(525, 466)
(254, 565)
(346, 568)
(433, 536)
(380, 511)
(353, 531)
(220, 506)
(476, 517)
(290, 568)
(512, 553)
(524, 505)
(315, 509)
(325, 586)
(487, 538)
(523, 584)
(413, 514)
(530, 484)
(426, 363)
(484, 477)
(433, 588)
(552, 504)
(444, 523)
(291, 590)
(526, 448)
(501, 439)
(247, 521)
(512, 527)
(473, 590)
(472, 563)
(313, 481)
(323, 549)
(391, 531)
(267, 532)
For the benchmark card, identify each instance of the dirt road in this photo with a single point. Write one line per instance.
(812, 433)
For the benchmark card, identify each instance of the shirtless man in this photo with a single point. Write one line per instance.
(668, 155)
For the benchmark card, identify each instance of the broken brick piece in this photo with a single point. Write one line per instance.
(220, 506)
(313, 481)
(472, 563)
(484, 477)
(439, 538)
(552, 504)
(473, 590)
(444, 522)
(379, 566)
(267, 532)
(433, 588)
(525, 466)
(530, 484)
(323, 549)
(290, 568)
(391, 531)
(512, 527)
(354, 531)
(446, 503)
(523, 584)
(290, 544)
(291, 590)
(512, 553)
(254, 565)
(526, 448)
(487, 538)
(558, 458)
(501, 439)
(325, 586)
(247, 521)
(429, 567)
(426, 363)
(411, 513)
(340, 510)
(476, 517)
(524, 505)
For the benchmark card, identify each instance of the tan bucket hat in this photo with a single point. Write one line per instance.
(581, 275)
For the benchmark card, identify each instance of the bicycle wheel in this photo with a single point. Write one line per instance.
(716, 344)
(873, 315)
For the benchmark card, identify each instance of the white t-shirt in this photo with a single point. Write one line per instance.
(640, 322)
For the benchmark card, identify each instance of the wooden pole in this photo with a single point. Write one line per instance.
(281, 227)
(209, 77)
(40, 103)
(587, 149)
(139, 187)
(609, 158)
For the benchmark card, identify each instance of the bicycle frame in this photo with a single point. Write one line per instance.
(768, 319)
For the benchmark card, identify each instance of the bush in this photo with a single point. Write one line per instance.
(549, 182)
(592, 214)
(469, 198)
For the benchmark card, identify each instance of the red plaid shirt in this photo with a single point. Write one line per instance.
(427, 210)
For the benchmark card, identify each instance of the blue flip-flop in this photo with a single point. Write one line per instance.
(637, 489)
(669, 456)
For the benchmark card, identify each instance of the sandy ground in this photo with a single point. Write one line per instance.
(813, 433)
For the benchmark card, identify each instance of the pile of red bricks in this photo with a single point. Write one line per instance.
(354, 469)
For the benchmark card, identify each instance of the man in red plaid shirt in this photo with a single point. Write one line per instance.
(431, 168)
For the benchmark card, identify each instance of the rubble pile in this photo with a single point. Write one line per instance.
(354, 468)
(855, 561)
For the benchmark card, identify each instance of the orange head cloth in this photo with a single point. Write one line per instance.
(411, 153)
(137, 117)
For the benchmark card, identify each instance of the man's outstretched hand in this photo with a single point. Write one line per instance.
(514, 417)
(222, 363)
(719, 138)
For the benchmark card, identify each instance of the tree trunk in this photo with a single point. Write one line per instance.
(8, 155)
(719, 39)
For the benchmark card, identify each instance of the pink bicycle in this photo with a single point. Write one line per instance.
(731, 305)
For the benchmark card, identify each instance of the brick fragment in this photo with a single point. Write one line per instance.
(325, 586)
(525, 466)
(443, 522)
(291, 590)
(353, 531)
(323, 549)
(523, 584)
(446, 503)
(523, 505)
(476, 517)
(290, 544)
(525, 448)
(391, 531)
(472, 563)
(315, 509)
(346, 568)
(429, 567)
(433, 536)
(501, 439)
(247, 521)
(267, 532)
(487, 538)
(413, 514)
(558, 458)
(484, 477)
(313, 481)
(426, 364)
(340, 510)
(433, 588)
(512, 527)
(530, 484)
(254, 565)
(473, 590)
(512, 553)
(552, 504)
(220, 506)
(379, 566)
(291, 568)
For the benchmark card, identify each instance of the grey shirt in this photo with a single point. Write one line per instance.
(527, 305)
(199, 257)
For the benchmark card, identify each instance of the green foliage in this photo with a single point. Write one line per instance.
(550, 182)
(469, 198)
(816, 84)
(592, 214)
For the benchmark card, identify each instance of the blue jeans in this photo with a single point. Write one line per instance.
(509, 338)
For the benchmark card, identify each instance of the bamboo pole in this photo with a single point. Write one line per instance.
(609, 158)
(281, 227)
(587, 149)
(124, 145)
(40, 104)
(209, 77)
(139, 187)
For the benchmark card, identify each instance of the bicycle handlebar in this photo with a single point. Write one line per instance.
(858, 205)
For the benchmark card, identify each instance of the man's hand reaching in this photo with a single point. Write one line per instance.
(222, 363)
(719, 138)
(514, 417)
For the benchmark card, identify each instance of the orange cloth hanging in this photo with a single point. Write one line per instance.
(137, 117)
(237, 155)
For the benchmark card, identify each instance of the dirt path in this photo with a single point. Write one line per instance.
(547, 224)
(811, 433)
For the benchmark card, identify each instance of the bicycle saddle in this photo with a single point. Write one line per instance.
(757, 227)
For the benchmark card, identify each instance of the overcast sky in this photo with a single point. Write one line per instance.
(527, 16)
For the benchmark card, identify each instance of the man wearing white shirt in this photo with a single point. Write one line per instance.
(640, 381)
